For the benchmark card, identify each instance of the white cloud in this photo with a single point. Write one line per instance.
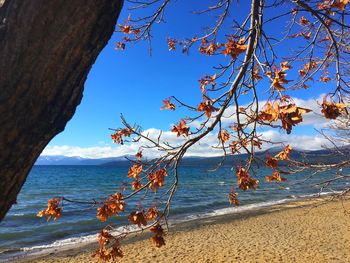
(313, 118)
(205, 146)
(302, 142)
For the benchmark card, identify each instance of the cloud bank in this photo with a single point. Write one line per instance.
(205, 147)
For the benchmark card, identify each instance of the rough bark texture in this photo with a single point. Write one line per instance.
(47, 48)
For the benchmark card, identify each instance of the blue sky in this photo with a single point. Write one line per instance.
(134, 83)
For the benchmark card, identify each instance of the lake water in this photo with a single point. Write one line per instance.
(200, 193)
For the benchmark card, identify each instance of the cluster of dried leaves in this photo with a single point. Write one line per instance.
(109, 246)
(272, 162)
(284, 110)
(53, 210)
(111, 207)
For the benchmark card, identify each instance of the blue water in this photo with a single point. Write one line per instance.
(200, 192)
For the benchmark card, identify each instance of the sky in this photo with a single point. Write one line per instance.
(134, 83)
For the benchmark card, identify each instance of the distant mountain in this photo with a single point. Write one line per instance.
(76, 160)
(325, 156)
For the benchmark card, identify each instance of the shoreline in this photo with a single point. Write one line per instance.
(186, 230)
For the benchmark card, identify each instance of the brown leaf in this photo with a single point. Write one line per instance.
(276, 176)
(158, 241)
(234, 48)
(207, 107)
(168, 105)
(232, 198)
(53, 210)
(332, 110)
(157, 179)
(137, 218)
(284, 155)
(245, 182)
(152, 214)
(135, 171)
(224, 136)
(181, 128)
(271, 162)
(136, 185)
(303, 21)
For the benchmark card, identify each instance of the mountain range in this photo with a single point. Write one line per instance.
(326, 156)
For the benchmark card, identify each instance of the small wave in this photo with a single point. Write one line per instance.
(320, 194)
(239, 209)
(18, 214)
(72, 242)
(75, 241)
(63, 243)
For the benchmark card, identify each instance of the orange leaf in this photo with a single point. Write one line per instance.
(137, 218)
(136, 185)
(245, 182)
(171, 43)
(207, 80)
(181, 128)
(208, 48)
(135, 171)
(276, 176)
(232, 198)
(304, 21)
(284, 155)
(168, 105)
(111, 206)
(52, 211)
(332, 110)
(152, 214)
(271, 162)
(207, 107)
(224, 136)
(234, 48)
(157, 179)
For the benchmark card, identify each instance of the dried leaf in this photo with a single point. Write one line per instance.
(181, 128)
(135, 171)
(245, 182)
(157, 179)
(168, 105)
(224, 136)
(276, 176)
(234, 48)
(53, 210)
(137, 218)
(332, 110)
(284, 155)
(171, 43)
(207, 108)
(271, 162)
(232, 198)
(152, 214)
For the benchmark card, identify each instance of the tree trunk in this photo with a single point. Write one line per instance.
(47, 48)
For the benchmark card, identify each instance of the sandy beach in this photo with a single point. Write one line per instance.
(314, 230)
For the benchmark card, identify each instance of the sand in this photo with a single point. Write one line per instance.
(303, 231)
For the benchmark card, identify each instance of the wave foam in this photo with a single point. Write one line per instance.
(74, 242)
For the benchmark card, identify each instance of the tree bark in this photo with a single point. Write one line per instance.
(47, 48)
